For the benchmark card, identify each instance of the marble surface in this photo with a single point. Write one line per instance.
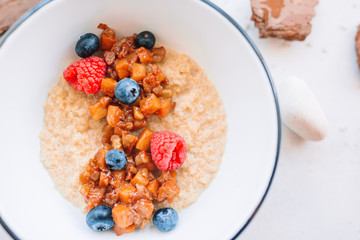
(315, 193)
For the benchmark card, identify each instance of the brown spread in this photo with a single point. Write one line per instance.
(287, 19)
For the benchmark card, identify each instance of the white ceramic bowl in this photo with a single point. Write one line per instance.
(33, 56)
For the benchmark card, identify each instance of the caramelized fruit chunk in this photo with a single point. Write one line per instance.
(168, 175)
(144, 55)
(95, 196)
(104, 178)
(141, 177)
(85, 189)
(168, 191)
(153, 187)
(142, 193)
(141, 158)
(129, 142)
(138, 71)
(165, 108)
(110, 197)
(126, 192)
(132, 57)
(150, 104)
(100, 157)
(144, 207)
(122, 68)
(108, 37)
(138, 114)
(158, 90)
(123, 216)
(108, 86)
(118, 177)
(108, 132)
(143, 143)
(99, 109)
(114, 115)
(119, 231)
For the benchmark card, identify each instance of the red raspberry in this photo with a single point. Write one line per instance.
(86, 74)
(168, 150)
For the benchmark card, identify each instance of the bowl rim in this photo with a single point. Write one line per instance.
(254, 48)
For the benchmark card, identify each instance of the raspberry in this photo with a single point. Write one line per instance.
(168, 150)
(86, 74)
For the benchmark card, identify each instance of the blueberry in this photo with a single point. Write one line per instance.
(145, 39)
(127, 91)
(87, 45)
(115, 159)
(100, 219)
(165, 219)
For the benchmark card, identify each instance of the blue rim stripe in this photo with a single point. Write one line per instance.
(252, 44)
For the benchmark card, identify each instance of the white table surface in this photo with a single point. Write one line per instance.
(316, 190)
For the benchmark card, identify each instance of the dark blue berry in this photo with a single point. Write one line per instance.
(145, 39)
(127, 91)
(87, 45)
(100, 219)
(115, 159)
(165, 219)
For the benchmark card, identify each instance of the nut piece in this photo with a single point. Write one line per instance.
(287, 19)
(159, 54)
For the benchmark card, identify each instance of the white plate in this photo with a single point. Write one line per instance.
(32, 57)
